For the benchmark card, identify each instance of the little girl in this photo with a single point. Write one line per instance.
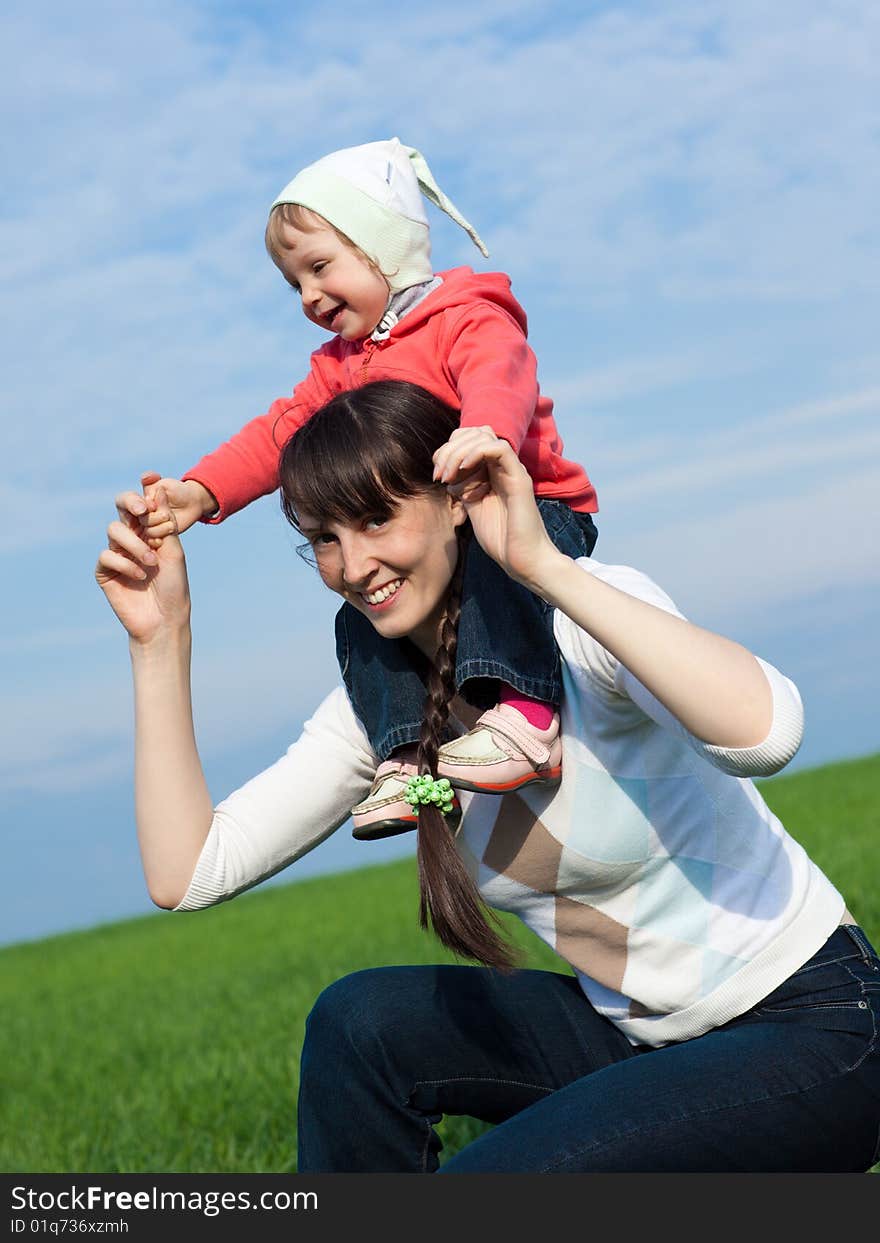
(351, 237)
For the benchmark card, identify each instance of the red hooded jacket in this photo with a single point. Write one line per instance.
(466, 343)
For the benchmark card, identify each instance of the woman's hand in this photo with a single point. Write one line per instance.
(146, 588)
(496, 490)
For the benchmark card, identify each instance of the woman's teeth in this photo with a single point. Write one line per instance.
(376, 597)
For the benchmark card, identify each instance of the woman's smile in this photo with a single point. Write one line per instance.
(382, 596)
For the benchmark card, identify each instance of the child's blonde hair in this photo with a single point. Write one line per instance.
(303, 218)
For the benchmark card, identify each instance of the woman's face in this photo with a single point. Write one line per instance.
(395, 570)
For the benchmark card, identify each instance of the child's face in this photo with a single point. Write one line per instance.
(340, 291)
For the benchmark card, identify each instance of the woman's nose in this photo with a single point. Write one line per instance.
(358, 562)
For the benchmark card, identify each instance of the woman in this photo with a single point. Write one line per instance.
(723, 1009)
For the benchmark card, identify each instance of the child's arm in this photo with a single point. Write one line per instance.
(495, 372)
(238, 472)
(245, 467)
(242, 469)
(487, 357)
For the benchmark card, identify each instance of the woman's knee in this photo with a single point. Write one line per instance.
(362, 1009)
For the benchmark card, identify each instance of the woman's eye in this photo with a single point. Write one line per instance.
(323, 540)
(373, 524)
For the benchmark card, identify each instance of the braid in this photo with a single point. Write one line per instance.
(449, 899)
(441, 679)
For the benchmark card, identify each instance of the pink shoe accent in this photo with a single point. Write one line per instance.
(536, 711)
(503, 752)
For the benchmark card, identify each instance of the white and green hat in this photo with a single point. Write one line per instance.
(373, 194)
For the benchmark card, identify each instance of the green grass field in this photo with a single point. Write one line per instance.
(171, 1043)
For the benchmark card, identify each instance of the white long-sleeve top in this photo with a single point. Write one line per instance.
(655, 868)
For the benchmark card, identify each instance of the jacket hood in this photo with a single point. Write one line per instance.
(463, 286)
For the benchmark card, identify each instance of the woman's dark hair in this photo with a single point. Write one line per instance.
(360, 455)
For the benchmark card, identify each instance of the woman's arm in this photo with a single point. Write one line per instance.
(192, 854)
(713, 686)
(173, 807)
(149, 593)
(288, 809)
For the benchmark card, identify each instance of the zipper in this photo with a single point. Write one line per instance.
(370, 347)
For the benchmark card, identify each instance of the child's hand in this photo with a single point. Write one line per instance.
(168, 506)
(450, 461)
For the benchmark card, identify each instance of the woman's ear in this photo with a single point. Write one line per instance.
(457, 510)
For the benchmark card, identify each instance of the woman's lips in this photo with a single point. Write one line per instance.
(383, 598)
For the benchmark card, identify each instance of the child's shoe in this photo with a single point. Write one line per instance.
(503, 752)
(385, 812)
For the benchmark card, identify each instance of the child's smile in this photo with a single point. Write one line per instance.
(331, 317)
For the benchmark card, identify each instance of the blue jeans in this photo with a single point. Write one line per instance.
(791, 1085)
(505, 633)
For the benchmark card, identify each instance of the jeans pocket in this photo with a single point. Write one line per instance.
(816, 986)
(827, 1002)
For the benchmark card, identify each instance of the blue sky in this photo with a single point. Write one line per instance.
(685, 196)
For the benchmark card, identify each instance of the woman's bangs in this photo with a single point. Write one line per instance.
(346, 483)
(364, 452)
